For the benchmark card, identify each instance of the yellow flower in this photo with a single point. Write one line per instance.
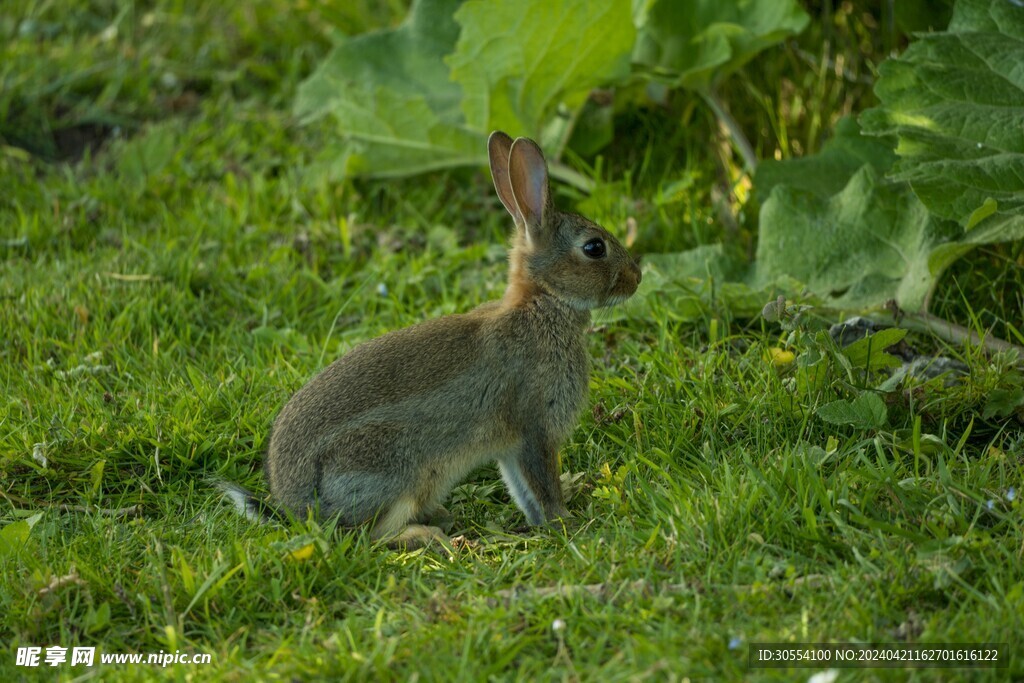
(780, 357)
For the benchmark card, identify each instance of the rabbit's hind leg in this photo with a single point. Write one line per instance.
(418, 536)
(438, 516)
(394, 527)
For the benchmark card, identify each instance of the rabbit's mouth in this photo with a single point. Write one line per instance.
(623, 286)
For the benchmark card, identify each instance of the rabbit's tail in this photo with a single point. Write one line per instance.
(248, 505)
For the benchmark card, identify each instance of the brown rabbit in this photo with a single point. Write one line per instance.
(384, 433)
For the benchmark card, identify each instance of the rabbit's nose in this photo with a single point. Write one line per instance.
(639, 273)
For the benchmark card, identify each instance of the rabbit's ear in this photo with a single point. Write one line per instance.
(529, 179)
(499, 145)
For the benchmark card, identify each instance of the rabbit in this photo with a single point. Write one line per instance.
(384, 433)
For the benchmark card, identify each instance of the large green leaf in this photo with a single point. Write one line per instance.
(517, 61)
(953, 105)
(697, 43)
(827, 172)
(397, 111)
(866, 244)
(514, 64)
(955, 101)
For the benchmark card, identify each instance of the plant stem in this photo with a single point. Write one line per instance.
(743, 145)
(956, 334)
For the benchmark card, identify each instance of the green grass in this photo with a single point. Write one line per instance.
(163, 294)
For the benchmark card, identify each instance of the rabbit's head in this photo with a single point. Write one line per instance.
(562, 254)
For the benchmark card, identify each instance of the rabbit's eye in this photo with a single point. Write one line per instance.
(594, 249)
